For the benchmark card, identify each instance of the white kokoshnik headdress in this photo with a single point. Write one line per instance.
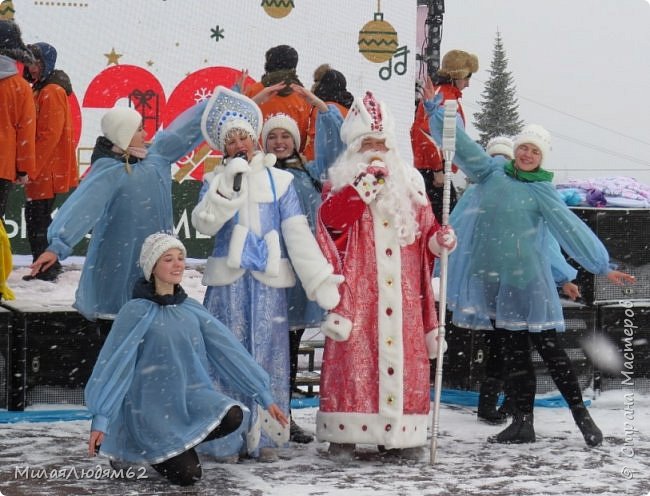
(229, 110)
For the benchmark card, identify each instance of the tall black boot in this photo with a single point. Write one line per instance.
(592, 434)
(298, 435)
(520, 431)
(509, 406)
(487, 402)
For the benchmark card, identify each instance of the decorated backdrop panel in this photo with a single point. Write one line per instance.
(161, 56)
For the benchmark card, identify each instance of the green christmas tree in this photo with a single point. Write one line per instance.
(7, 10)
(499, 114)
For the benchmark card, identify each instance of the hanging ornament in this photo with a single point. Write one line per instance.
(7, 10)
(378, 39)
(278, 8)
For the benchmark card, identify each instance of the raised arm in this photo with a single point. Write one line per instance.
(181, 137)
(328, 144)
(469, 155)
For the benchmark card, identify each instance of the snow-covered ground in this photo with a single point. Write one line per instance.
(50, 458)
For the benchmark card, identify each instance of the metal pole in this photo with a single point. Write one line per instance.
(448, 148)
(431, 55)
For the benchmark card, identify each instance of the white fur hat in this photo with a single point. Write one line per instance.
(281, 121)
(535, 135)
(500, 145)
(153, 248)
(120, 124)
(367, 117)
(228, 110)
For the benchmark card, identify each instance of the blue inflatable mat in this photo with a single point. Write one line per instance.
(7, 417)
(453, 397)
(449, 396)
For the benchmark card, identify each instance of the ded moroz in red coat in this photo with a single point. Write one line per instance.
(375, 383)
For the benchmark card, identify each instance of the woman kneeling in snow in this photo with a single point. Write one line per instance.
(150, 393)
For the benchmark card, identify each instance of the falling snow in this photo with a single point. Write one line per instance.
(50, 458)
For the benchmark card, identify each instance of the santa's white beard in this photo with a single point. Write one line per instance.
(395, 200)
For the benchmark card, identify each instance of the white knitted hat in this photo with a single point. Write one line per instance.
(281, 121)
(120, 124)
(500, 145)
(536, 135)
(153, 248)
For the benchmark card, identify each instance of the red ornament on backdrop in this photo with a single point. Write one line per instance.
(75, 111)
(123, 81)
(147, 95)
(197, 86)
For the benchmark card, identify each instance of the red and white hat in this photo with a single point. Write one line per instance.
(367, 117)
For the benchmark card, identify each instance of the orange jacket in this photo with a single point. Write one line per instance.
(309, 149)
(426, 155)
(293, 105)
(17, 127)
(56, 161)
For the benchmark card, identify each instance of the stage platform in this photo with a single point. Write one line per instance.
(48, 350)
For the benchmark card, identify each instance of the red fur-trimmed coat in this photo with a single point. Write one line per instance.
(375, 377)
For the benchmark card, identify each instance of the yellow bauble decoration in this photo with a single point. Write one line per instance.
(378, 40)
(7, 10)
(278, 8)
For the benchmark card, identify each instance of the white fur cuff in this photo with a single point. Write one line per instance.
(336, 327)
(435, 247)
(272, 428)
(272, 239)
(236, 246)
(432, 341)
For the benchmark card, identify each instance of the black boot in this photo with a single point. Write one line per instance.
(509, 407)
(298, 435)
(592, 434)
(50, 274)
(487, 402)
(520, 431)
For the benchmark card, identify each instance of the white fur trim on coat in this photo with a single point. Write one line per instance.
(432, 341)
(272, 239)
(305, 254)
(406, 431)
(218, 273)
(435, 247)
(254, 435)
(260, 189)
(336, 327)
(236, 246)
(272, 428)
(213, 211)
(286, 278)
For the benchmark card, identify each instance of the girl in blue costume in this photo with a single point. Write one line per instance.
(280, 136)
(563, 274)
(504, 283)
(151, 393)
(125, 197)
(261, 237)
